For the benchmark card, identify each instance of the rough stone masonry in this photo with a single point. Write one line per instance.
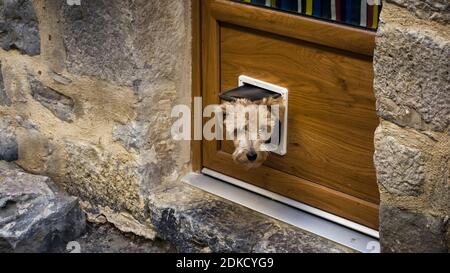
(86, 93)
(412, 143)
(35, 216)
(90, 107)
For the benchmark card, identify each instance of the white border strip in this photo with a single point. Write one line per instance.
(282, 146)
(293, 203)
(293, 216)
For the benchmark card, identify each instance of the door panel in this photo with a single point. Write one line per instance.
(332, 116)
(331, 106)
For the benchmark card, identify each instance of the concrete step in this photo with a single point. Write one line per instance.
(196, 221)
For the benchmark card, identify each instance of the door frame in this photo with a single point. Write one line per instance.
(196, 145)
(206, 15)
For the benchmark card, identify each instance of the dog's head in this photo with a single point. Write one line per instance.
(251, 126)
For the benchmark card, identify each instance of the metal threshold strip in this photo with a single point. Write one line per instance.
(324, 224)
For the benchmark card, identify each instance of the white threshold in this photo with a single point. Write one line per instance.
(324, 224)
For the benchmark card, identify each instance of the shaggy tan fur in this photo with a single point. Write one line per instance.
(249, 151)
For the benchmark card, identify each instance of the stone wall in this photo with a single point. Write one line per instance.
(86, 94)
(412, 143)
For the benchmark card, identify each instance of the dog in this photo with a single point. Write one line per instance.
(251, 133)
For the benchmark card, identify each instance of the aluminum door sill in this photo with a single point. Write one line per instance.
(324, 224)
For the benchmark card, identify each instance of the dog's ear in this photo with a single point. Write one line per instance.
(224, 106)
(243, 102)
(276, 101)
(273, 101)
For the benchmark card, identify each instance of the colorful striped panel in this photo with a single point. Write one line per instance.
(338, 4)
(317, 10)
(287, 5)
(356, 12)
(347, 11)
(362, 13)
(309, 7)
(375, 16)
(326, 9)
(259, 2)
(303, 6)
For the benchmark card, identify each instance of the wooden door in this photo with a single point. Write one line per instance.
(327, 69)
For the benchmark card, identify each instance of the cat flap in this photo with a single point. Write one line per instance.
(248, 91)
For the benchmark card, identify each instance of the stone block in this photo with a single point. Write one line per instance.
(125, 42)
(102, 177)
(132, 135)
(59, 104)
(19, 27)
(436, 10)
(399, 160)
(402, 230)
(34, 215)
(9, 149)
(4, 99)
(412, 83)
(196, 221)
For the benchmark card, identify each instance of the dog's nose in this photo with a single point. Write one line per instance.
(251, 156)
